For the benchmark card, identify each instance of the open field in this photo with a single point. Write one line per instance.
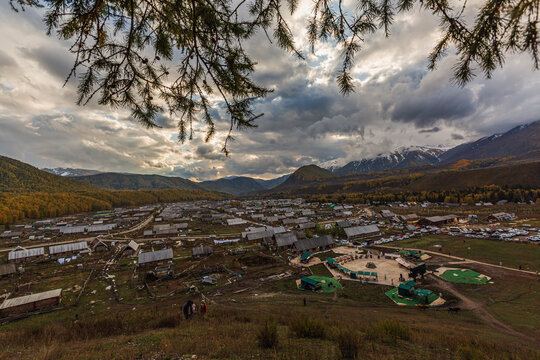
(489, 251)
(158, 331)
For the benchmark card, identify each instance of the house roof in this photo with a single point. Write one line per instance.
(132, 245)
(436, 219)
(308, 244)
(259, 235)
(82, 245)
(152, 256)
(309, 280)
(21, 254)
(28, 299)
(285, 239)
(361, 230)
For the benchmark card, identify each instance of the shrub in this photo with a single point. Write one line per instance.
(268, 335)
(308, 327)
(388, 331)
(467, 352)
(348, 341)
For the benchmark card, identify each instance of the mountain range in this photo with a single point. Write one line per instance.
(517, 141)
(521, 142)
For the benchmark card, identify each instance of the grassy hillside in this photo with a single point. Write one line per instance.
(115, 181)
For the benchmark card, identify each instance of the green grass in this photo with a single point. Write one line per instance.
(326, 254)
(463, 276)
(320, 269)
(489, 251)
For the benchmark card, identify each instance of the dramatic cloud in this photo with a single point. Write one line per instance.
(432, 130)
(397, 103)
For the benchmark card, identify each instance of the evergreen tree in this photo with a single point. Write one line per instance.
(173, 56)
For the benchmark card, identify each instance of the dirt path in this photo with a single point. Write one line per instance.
(477, 308)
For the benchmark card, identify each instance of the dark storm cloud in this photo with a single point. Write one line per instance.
(397, 102)
(208, 152)
(432, 130)
(421, 109)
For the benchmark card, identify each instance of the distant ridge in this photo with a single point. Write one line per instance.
(71, 172)
(116, 181)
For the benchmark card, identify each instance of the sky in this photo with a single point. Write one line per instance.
(397, 103)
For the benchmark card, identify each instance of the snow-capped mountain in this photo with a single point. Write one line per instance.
(69, 172)
(402, 157)
(333, 165)
(519, 140)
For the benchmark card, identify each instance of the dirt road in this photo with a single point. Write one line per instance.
(478, 309)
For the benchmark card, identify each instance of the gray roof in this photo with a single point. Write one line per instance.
(279, 229)
(104, 227)
(436, 219)
(28, 299)
(6, 269)
(343, 224)
(202, 250)
(285, 239)
(259, 235)
(72, 229)
(21, 254)
(361, 230)
(152, 256)
(133, 245)
(308, 244)
(9, 234)
(57, 249)
(308, 225)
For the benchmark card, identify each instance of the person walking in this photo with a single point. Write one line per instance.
(193, 309)
(187, 309)
(203, 308)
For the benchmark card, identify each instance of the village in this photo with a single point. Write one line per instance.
(215, 251)
(150, 252)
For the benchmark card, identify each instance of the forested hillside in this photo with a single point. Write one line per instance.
(512, 182)
(116, 181)
(27, 192)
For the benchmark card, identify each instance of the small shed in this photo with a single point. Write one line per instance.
(308, 283)
(130, 248)
(7, 269)
(200, 251)
(99, 246)
(304, 258)
(406, 288)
